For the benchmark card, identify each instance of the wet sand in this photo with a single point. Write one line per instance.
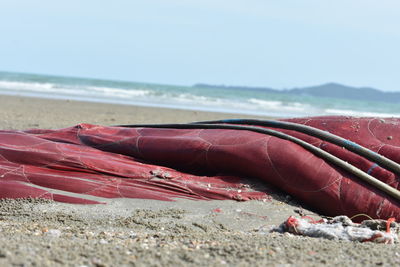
(134, 232)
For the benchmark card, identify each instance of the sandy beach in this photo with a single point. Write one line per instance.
(134, 232)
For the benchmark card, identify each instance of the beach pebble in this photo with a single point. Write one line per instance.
(97, 262)
(53, 233)
(132, 235)
(288, 235)
(5, 253)
(103, 241)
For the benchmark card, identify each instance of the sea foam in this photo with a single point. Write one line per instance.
(243, 101)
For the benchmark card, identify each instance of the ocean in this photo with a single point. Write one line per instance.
(238, 101)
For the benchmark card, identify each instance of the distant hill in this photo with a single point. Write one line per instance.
(331, 90)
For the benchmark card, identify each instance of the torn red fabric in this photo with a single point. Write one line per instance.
(113, 162)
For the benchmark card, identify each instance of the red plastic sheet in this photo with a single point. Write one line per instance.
(113, 162)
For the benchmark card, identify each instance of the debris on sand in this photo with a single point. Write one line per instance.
(342, 228)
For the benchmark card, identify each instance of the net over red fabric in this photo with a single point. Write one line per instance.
(113, 162)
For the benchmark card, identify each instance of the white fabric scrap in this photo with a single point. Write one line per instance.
(339, 228)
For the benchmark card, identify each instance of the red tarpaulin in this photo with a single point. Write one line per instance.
(164, 164)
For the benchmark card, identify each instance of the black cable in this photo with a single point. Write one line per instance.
(317, 151)
(324, 135)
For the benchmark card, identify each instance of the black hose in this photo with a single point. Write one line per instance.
(317, 151)
(382, 161)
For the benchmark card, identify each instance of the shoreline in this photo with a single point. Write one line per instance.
(147, 104)
(21, 112)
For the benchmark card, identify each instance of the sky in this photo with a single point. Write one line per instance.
(278, 44)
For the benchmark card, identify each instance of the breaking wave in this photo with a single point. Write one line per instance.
(218, 100)
(71, 90)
